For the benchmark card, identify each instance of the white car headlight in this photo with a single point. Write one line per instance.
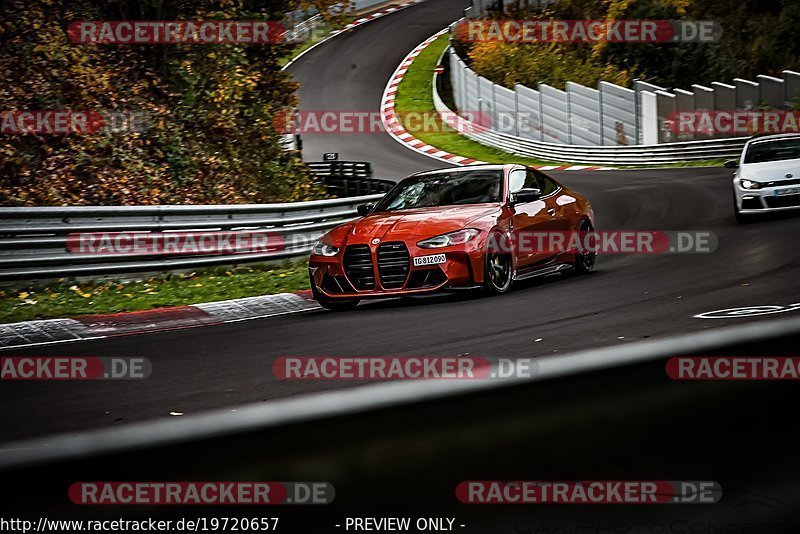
(750, 184)
(324, 249)
(453, 238)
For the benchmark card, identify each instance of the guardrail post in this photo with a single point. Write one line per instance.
(569, 116)
(600, 115)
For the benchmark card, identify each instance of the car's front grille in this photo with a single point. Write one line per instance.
(358, 267)
(791, 181)
(786, 201)
(393, 264)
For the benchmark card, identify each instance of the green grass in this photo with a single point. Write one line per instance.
(71, 299)
(415, 94)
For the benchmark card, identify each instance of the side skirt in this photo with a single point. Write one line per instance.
(542, 271)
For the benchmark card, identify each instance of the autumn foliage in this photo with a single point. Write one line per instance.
(758, 37)
(208, 135)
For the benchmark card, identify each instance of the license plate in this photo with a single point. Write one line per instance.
(790, 191)
(433, 259)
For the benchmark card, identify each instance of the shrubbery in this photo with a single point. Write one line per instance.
(209, 136)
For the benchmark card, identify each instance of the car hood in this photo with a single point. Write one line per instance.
(420, 223)
(771, 171)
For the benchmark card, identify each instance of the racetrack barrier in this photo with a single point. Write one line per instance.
(34, 241)
(580, 125)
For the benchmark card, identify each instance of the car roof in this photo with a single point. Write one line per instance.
(478, 167)
(773, 137)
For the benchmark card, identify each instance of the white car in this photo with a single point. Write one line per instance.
(767, 177)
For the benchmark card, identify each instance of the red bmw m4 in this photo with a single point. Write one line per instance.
(459, 227)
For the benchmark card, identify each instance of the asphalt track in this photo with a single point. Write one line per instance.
(628, 298)
(350, 73)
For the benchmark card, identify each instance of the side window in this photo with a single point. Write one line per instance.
(544, 183)
(532, 180)
(516, 180)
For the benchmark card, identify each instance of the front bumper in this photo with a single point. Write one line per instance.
(334, 277)
(767, 199)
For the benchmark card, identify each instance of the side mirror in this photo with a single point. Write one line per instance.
(732, 164)
(528, 194)
(364, 209)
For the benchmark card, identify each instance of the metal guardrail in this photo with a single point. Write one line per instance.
(599, 155)
(300, 31)
(33, 241)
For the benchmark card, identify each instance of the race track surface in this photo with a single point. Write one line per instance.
(628, 298)
(350, 73)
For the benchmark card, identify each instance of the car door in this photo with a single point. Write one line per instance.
(559, 205)
(528, 219)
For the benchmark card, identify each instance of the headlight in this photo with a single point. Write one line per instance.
(446, 240)
(750, 184)
(324, 249)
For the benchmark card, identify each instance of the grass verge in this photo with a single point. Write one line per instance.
(71, 299)
(415, 94)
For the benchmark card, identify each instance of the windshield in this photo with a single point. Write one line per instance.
(777, 150)
(443, 189)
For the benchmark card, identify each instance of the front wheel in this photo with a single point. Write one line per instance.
(331, 304)
(741, 218)
(498, 271)
(585, 259)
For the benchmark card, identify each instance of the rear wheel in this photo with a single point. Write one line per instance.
(498, 271)
(585, 259)
(331, 304)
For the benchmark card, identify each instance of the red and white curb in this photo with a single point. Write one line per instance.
(46, 332)
(401, 135)
(355, 24)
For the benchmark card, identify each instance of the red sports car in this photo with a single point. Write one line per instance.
(450, 228)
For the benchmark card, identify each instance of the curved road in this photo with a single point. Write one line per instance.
(350, 74)
(628, 298)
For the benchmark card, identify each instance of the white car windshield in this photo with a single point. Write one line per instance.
(777, 150)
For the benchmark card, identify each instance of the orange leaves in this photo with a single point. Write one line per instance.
(201, 142)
